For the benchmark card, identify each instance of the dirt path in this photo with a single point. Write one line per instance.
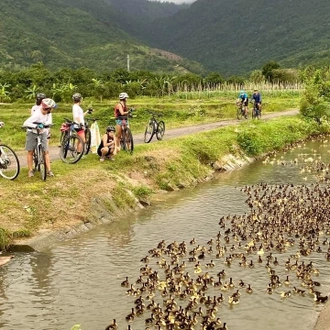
(176, 132)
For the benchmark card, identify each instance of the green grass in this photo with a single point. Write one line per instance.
(176, 112)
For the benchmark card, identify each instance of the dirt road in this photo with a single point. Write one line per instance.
(176, 132)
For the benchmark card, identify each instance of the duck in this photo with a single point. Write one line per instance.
(286, 294)
(287, 281)
(125, 283)
(112, 326)
(249, 289)
(320, 299)
(299, 291)
(130, 317)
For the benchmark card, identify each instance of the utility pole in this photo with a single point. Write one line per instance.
(128, 63)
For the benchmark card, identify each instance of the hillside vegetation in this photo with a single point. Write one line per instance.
(238, 36)
(74, 33)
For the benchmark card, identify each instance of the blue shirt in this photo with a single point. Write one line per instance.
(243, 96)
(256, 97)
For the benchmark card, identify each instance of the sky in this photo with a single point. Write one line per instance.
(176, 1)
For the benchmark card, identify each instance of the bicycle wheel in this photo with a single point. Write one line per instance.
(128, 140)
(9, 163)
(42, 163)
(254, 112)
(63, 135)
(69, 149)
(88, 141)
(160, 130)
(239, 113)
(149, 132)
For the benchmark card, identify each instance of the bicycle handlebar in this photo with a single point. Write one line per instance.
(71, 122)
(92, 119)
(154, 114)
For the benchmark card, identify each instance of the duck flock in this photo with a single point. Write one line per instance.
(185, 285)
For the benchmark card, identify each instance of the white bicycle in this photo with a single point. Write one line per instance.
(9, 163)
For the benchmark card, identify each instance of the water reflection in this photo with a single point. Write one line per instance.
(79, 280)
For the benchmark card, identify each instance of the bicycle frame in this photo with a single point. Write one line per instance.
(39, 157)
(153, 127)
(126, 138)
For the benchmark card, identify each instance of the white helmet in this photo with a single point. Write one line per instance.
(123, 96)
(48, 103)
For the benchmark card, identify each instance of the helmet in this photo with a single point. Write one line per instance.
(76, 97)
(40, 96)
(110, 129)
(123, 96)
(242, 92)
(48, 103)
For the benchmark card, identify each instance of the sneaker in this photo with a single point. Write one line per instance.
(31, 174)
(102, 159)
(50, 173)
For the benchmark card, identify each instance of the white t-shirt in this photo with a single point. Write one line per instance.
(78, 114)
(35, 108)
(38, 117)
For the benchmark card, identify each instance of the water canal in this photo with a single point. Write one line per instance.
(79, 281)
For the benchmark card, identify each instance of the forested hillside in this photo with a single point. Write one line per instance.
(75, 33)
(237, 36)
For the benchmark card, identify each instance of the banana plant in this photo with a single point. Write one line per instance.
(4, 93)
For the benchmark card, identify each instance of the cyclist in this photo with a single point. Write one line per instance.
(37, 106)
(107, 147)
(44, 117)
(256, 97)
(78, 117)
(120, 110)
(243, 99)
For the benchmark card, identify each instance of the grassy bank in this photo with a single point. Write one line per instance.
(28, 205)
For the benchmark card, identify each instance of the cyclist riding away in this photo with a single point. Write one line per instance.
(120, 110)
(107, 147)
(243, 98)
(256, 97)
(42, 116)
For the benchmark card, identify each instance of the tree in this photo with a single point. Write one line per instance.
(268, 68)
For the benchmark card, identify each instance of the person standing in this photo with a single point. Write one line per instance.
(78, 115)
(120, 110)
(37, 107)
(41, 116)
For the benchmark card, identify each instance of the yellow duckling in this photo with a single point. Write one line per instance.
(286, 294)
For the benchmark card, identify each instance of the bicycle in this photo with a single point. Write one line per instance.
(70, 142)
(240, 111)
(39, 157)
(9, 163)
(154, 127)
(88, 135)
(126, 139)
(256, 111)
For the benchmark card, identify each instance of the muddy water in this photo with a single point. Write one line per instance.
(79, 281)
